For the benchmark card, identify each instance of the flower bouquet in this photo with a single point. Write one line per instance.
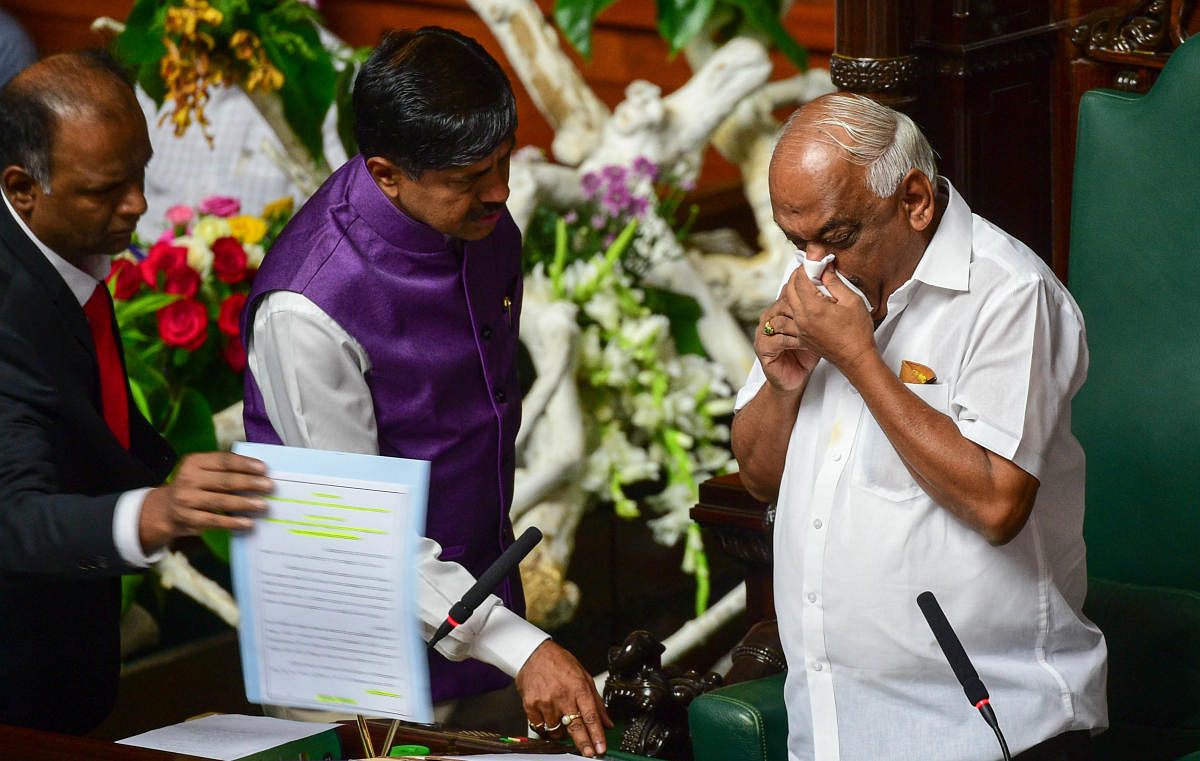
(655, 405)
(181, 49)
(178, 303)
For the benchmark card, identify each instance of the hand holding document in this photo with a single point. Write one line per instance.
(325, 587)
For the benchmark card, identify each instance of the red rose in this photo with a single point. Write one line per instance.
(184, 323)
(229, 260)
(229, 317)
(163, 257)
(235, 354)
(183, 280)
(125, 277)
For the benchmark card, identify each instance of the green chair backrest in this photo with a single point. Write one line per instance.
(1135, 271)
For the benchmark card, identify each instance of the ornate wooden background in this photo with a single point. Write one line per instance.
(995, 84)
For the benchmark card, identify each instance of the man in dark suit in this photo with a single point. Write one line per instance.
(81, 471)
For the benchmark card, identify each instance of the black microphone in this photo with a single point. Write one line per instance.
(960, 664)
(488, 580)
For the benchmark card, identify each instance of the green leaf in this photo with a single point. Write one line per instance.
(575, 19)
(218, 542)
(139, 398)
(680, 20)
(695, 557)
(308, 83)
(683, 312)
(190, 428)
(764, 18)
(130, 584)
(141, 47)
(128, 311)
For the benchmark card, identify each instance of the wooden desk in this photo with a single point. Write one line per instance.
(20, 744)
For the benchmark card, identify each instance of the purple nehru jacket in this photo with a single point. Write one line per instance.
(438, 319)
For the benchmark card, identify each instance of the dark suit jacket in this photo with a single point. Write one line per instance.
(61, 471)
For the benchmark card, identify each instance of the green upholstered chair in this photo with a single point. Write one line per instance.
(1153, 636)
(746, 721)
(1135, 271)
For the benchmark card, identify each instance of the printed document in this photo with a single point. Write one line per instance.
(325, 587)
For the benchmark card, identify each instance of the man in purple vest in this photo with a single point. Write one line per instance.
(384, 320)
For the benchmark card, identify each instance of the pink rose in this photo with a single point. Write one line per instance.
(180, 215)
(220, 206)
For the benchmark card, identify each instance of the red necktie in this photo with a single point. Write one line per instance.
(112, 376)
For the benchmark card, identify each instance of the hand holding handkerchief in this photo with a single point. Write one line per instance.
(815, 268)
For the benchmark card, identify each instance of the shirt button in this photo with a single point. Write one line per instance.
(486, 332)
(837, 456)
(501, 396)
(812, 596)
(817, 666)
(817, 523)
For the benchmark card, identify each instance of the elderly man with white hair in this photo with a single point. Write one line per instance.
(921, 442)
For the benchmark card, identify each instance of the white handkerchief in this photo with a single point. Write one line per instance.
(814, 270)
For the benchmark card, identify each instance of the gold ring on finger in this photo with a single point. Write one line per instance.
(568, 718)
(767, 329)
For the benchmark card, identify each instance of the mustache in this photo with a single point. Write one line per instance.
(487, 210)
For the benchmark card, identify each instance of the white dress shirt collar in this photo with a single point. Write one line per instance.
(946, 262)
(82, 282)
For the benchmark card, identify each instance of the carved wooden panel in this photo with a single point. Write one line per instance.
(1121, 46)
(985, 105)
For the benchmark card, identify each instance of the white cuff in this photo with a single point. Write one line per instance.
(506, 640)
(126, 533)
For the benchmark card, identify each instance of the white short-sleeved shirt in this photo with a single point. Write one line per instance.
(857, 539)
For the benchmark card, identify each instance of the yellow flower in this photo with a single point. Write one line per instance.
(264, 78)
(248, 229)
(183, 20)
(244, 44)
(282, 206)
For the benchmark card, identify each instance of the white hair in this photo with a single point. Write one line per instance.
(883, 140)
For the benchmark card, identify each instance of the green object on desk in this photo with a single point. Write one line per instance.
(408, 750)
(323, 745)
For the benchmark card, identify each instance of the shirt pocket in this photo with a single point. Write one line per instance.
(878, 469)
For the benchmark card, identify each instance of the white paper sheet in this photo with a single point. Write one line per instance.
(225, 736)
(324, 589)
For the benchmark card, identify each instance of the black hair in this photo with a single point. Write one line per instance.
(32, 103)
(432, 99)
